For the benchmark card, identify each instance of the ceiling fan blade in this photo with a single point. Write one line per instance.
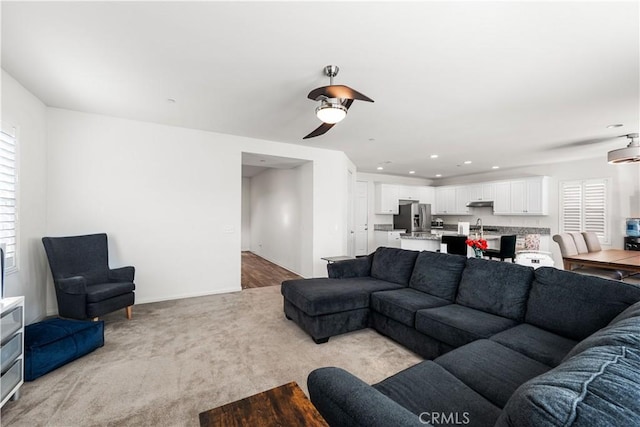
(337, 91)
(584, 142)
(320, 130)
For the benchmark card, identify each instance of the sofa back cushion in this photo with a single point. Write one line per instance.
(625, 332)
(596, 388)
(576, 305)
(499, 288)
(438, 274)
(393, 265)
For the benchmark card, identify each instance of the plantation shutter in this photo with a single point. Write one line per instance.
(571, 207)
(583, 207)
(8, 194)
(595, 208)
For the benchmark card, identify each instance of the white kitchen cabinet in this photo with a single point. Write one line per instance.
(445, 200)
(502, 199)
(408, 192)
(527, 196)
(530, 196)
(482, 192)
(428, 195)
(462, 199)
(386, 199)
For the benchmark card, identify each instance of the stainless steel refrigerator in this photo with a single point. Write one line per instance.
(413, 217)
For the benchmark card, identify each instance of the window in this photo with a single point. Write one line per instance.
(584, 207)
(8, 206)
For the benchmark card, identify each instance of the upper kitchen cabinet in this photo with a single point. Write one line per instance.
(481, 192)
(428, 195)
(502, 198)
(408, 192)
(445, 200)
(462, 199)
(527, 196)
(530, 196)
(386, 199)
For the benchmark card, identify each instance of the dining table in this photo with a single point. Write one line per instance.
(611, 259)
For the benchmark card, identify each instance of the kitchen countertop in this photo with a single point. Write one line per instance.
(429, 236)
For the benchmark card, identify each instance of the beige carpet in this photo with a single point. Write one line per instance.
(176, 359)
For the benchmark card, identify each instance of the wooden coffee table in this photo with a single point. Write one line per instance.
(286, 405)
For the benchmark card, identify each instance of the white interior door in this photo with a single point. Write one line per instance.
(351, 237)
(362, 218)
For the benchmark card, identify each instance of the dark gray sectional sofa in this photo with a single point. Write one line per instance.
(506, 345)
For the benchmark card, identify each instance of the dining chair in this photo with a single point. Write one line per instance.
(507, 249)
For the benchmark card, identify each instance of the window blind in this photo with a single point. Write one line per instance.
(583, 207)
(8, 213)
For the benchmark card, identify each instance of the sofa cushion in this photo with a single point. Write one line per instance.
(631, 311)
(499, 288)
(575, 305)
(402, 304)
(625, 332)
(438, 274)
(359, 267)
(393, 265)
(458, 325)
(324, 296)
(491, 369)
(598, 387)
(104, 291)
(538, 344)
(426, 389)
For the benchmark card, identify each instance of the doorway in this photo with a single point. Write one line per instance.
(362, 218)
(277, 214)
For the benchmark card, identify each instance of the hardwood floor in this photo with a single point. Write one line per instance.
(257, 272)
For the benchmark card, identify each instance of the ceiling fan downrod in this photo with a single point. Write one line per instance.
(331, 71)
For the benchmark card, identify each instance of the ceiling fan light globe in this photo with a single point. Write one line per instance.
(331, 112)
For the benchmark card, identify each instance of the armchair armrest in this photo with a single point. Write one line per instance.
(359, 267)
(122, 274)
(345, 400)
(76, 285)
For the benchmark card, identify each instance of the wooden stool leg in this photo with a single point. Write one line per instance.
(127, 311)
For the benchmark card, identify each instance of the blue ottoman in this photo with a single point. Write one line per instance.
(55, 342)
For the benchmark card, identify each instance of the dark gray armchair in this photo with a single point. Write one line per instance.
(86, 288)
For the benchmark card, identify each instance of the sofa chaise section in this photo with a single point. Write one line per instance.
(326, 307)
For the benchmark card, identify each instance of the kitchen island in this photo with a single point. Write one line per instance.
(425, 241)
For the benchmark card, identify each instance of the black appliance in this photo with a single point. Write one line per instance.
(632, 243)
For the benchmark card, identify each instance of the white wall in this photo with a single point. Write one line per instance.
(281, 201)
(246, 214)
(170, 199)
(625, 196)
(23, 110)
(371, 179)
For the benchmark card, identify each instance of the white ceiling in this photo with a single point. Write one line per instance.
(253, 164)
(497, 83)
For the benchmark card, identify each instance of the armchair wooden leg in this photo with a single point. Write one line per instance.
(127, 311)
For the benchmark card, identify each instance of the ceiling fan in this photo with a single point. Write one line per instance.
(335, 100)
(629, 154)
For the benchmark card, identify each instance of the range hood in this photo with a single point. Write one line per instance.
(480, 204)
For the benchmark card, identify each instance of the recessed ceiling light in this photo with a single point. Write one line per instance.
(438, 175)
(617, 125)
(412, 172)
(380, 168)
(495, 167)
(171, 100)
(434, 156)
(467, 162)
